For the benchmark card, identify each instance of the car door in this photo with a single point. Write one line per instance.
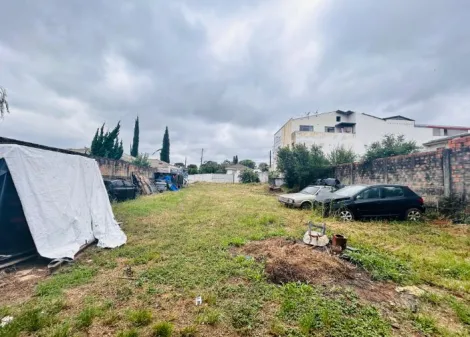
(368, 203)
(393, 200)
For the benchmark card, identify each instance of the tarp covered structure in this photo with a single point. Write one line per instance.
(63, 199)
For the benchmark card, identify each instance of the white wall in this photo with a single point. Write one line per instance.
(212, 178)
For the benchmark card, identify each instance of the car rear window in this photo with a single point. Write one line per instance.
(392, 192)
(128, 184)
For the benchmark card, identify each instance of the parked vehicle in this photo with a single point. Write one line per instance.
(305, 198)
(120, 190)
(363, 201)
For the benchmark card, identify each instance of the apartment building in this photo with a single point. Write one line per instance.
(354, 130)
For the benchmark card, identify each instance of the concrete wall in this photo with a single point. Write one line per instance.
(431, 174)
(212, 178)
(223, 178)
(112, 169)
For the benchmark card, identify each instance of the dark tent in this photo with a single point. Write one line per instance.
(15, 236)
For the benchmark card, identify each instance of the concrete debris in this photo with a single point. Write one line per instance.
(199, 300)
(5, 321)
(413, 290)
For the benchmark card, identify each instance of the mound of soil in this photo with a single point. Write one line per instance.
(288, 261)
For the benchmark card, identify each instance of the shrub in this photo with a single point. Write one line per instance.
(248, 176)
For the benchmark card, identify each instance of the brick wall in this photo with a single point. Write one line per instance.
(425, 172)
(120, 169)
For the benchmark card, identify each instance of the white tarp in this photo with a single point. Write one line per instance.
(64, 200)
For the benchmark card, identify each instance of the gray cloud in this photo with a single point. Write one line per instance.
(225, 75)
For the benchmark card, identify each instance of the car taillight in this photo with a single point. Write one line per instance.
(421, 200)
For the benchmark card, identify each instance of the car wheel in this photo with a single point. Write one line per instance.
(306, 205)
(346, 215)
(413, 214)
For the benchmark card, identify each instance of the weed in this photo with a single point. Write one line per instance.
(128, 333)
(382, 266)
(425, 324)
(33, 320)
(461, 310)
(66, 278)
(210, 317)
(189, 331)
(277, 329)
(124, 293)
(85, 317)
(57, 330)
(111, 318)
(341, 315)
(141, 317)
(162, 329)
(243, 317)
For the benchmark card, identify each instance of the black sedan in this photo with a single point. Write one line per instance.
(375, 201)
(120, 190)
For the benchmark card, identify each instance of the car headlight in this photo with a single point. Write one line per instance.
(291, 201)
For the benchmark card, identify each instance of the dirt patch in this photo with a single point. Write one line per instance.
(289, 261)
(17, 284)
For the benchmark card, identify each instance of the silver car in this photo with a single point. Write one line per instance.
(305, 198)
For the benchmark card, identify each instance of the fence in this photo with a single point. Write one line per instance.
(430, 174)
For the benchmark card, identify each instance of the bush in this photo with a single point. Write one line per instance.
(390, 146)
(142, 160)
(249, 176)
(453, 207)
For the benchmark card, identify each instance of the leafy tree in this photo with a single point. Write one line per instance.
(263, 167)
(3, 102)
(248, 176)
(341, 155)
(142, 160)
(165, 153)
(302, 166)
(179, 164)
(235, 160)
(192, 169)
(135, 140)
(390, 146)
(209, 167)
(107, 144)
(248, 163)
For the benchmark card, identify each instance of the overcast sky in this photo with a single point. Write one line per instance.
(225, 75)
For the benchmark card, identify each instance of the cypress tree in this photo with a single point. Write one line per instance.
(165, 153)
(94, 143)
(135, 141)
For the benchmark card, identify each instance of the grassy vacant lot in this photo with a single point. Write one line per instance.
(191, 243)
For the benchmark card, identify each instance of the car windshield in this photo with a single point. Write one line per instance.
(349, 191)
(310, 190)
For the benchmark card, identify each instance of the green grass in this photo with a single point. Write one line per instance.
(141, 317)
(182, 245)
(67, 277)
(162, 329)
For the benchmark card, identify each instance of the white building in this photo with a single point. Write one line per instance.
(354, 130)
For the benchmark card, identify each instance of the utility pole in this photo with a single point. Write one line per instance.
(270, 158)
(202, 155)
(185, 161)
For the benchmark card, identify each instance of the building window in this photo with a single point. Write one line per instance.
(329, 129)
(338, 118)
(445, 132)
(306, 128)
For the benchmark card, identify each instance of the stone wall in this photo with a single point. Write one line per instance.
(112, 169)
(430, 174)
